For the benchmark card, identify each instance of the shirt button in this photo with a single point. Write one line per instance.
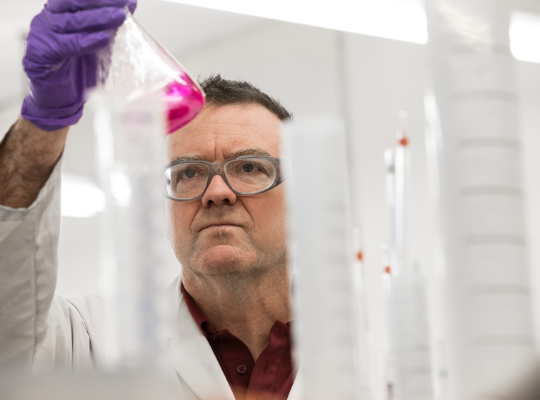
(221, 340)
(241, 369)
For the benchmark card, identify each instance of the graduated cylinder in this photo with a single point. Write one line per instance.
(129, 138)
(326, 318)
(489, 323)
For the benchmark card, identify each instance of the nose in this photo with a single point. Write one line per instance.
(218, 193)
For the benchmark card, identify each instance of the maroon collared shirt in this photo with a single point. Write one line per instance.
(271, 376)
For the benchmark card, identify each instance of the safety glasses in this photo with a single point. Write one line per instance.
(245, 176)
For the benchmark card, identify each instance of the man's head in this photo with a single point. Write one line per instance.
(223, 234)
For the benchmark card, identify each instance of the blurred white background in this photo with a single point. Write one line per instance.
(312, 70)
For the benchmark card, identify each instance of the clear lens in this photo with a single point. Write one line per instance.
(185, 181)
(250, 174)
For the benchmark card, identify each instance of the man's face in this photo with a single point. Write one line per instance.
(223, 233)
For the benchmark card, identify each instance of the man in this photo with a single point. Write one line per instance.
(232, 337)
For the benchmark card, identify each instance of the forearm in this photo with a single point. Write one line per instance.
(27, 158)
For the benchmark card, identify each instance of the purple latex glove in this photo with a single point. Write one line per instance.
(60, 58)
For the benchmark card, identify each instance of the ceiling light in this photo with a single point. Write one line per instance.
(403, 20)
(525, 36)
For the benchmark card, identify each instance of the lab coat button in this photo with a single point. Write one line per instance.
(241, 369)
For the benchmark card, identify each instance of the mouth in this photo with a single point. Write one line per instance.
(223, 225)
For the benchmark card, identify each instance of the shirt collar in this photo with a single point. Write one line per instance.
(200, 319)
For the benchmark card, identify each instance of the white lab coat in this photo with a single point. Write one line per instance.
(42, 331)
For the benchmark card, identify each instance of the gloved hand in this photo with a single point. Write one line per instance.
(60, 58)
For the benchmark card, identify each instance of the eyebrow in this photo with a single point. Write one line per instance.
(189, 157)
(238, 153)
(251, 152)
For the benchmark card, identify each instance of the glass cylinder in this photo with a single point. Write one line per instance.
(133, 239)
(327, 327)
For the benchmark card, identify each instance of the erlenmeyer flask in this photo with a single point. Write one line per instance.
(136, 64)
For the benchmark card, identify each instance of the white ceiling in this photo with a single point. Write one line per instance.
(182, 27)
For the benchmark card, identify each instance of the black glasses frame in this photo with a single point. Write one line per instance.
(218, 168)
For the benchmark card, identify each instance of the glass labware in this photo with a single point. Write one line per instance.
(136, 64)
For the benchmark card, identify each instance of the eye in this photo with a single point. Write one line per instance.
(248, 167)
(189, 173)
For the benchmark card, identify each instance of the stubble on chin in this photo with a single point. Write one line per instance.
(229, 257)
(220, 252)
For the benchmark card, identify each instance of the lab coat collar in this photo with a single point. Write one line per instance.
(195, 361)
(193, 357)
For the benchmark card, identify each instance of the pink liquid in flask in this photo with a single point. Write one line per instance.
(184, 101)
(136, 62)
